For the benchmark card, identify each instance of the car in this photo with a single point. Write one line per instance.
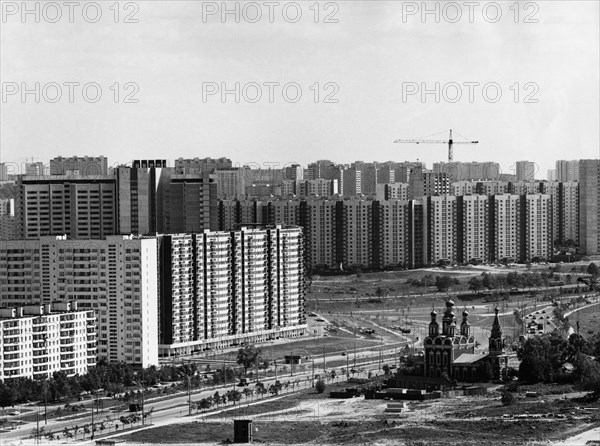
(14, 412)
(343, 353)
(320, 319)
(243, 382)
(312, 314)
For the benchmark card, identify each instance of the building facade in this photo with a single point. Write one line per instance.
(38, 340)
(116, 277)
(225, 288)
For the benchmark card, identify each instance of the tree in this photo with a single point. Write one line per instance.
(8, 396)
(592, 269)
(443, 282)
(484, 371)
(507, 398)
(320, 386)
(475, 284)
(386, 369)
(542, 357)
(248, 356)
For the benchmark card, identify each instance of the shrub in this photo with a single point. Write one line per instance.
(507, 399)
(320, 386)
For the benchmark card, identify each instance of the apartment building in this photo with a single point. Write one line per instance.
(396, 191)
(525, 170)
(441, 229)
(223, 288)
(8, 229)
(507, 220)
(117, 277)
(38, 340)
(391, 233)
(538, 227)
(567, 171)
(473, 229)
(461, 171)
(79, 165)
(81, 207)
(589, 207)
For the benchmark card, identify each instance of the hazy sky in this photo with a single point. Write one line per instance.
(366, 64)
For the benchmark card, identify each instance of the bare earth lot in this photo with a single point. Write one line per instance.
(309, 418)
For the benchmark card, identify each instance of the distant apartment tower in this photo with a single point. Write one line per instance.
(77, 165)
(507, 232)
(3, 172)
(460, 171)
(441, 227)
(397, 191)
(116, 277)
(80, 207)
(188, 203)
(38, 340)
(230, 183)
(35, 169)
(589, 207)
(294, 172)
(525, 170)
(317, 188)
(537, 229)
(427, 184)
(473, 229)
(567, 171)
(223, 288)
(200, 166)
(138, 196)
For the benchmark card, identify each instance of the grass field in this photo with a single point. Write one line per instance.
(587, 318)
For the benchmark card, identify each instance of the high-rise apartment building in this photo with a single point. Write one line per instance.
(38, 340)
(506, 221)
(537, 230)
(116, 277)
(8, 230)
(223, 288)
(35, 169)
(459, 171)
(397, 191)
(80, 207)
(79, 165)
(441, 229)
(589, 207)
(201, 165)
(473, 229)
(189, 203)
(567, 171)
(525, 170)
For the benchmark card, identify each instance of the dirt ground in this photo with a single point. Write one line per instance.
(310, 418)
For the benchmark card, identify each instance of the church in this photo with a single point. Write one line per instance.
(450, 352)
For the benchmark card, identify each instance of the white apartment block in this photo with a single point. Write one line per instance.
(116, 277)
(441, 227)
(357, 233)
(393, 233)
(38, 340)
(538, 230)
(475, 228)
(225, 288)
(322, 232)
(507, 225)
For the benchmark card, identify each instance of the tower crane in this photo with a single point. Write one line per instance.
(450, 143)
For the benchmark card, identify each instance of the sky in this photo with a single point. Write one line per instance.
(338, 80)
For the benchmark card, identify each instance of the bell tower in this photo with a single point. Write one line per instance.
(496, 345)
(465, 327)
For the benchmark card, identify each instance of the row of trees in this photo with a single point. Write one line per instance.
(114, 378)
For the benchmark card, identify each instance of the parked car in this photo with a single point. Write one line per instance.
(320, 319)
(14, 412)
